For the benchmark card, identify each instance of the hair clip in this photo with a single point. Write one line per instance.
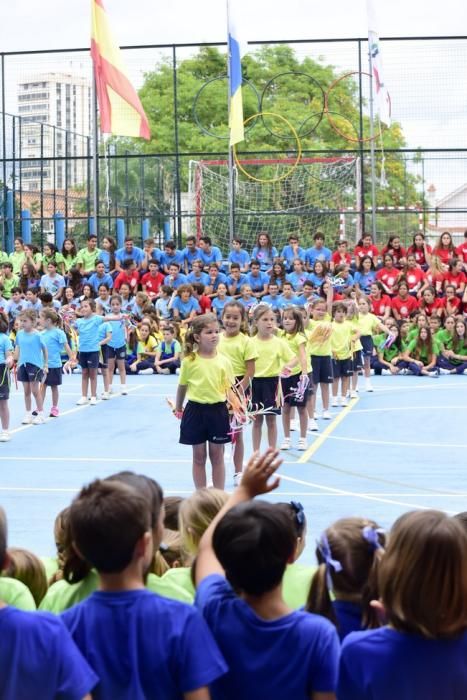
(299, 512)
(370, 534)
(163, 547)
(334, 564)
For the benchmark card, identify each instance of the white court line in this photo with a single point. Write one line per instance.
(68, 458)
(73, 410)
(414, 387)
(407, 408)
(353, 494)
(398, 443)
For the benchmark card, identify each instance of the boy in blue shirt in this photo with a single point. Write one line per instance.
(100, 276)
(292, 252)
(235, 279)
(288, 297)
(272, 651)
(171, 255)
(39, 658)
(257, 280)
(317, 252)
(142, 646)
(208, 253)
(273, 298)
(190, 253)
(239, 255)
(197, 274)
(175, 278)
(129, 252)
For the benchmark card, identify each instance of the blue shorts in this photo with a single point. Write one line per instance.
(342, 368)
(264, 394)
(116, 353)
(357, 361)
(4, 383)
(54, 376)
(289, 384)
(29, 373)
(367, 345)
(205, 423)
(322, 369)
(89, 360)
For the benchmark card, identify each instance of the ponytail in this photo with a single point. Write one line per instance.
(319, 599)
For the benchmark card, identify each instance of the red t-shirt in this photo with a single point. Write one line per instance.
(419, 254)
(205, 303)
(461, 251)
(360, 251)
(404, 307)
(132, 279)
(151, 283)
(414, 278)
(428, 309)
(337, 258)
(444, 254)
(455, 280)
(396, 253)
(454, 302)
(379, 306)
(388, 278)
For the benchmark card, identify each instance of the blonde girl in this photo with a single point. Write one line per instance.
(32, 357)
(368, 325)
(295, 388)
(205, 378)
(319, 333)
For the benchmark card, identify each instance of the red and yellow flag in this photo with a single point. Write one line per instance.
(120, 108)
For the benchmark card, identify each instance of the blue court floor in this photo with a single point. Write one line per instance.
(402, 447)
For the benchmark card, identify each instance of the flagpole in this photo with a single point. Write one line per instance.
(372, 148)
(95, 158)
(231, 181)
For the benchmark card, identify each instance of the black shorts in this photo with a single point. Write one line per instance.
(322, 369)
(104, 356)
(342, 368)
(54, 376)
(115, 353)
(367, 345)
(30, 373)
(89, 360)
(291, 383)
(205, 423)
(264, 394)
(357, 361)
(4, 383)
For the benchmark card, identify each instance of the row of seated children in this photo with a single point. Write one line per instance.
(230, 612)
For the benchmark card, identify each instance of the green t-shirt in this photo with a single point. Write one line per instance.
(15, 593)
(50, 566)
(444, 338)
(70, 261)
(422, 355)
(57, 258)
(17, 260)
(8, 284)
(181, 578)
(296, 584)
(87, 259)
(62, 595)
(4, 257)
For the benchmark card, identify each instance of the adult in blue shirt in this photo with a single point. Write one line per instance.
(235, 279)
(264, 251)
(239, 255)
(317, 252)
(129, 252)
(272, 651)
(292, 252)
(208, 253)
(215, 279)
(190, 253)
(257, 280)
(100, 276)
(273, 297)
(197, 275)
(171, 255)
(175, 278)
(288, 297)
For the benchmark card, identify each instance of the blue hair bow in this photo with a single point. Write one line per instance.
(299, 512)
(325, 551)
(370, 534)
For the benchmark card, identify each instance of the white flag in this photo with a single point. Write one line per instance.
(380, 91)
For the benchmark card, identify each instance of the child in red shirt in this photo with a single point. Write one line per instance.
(364, 247)
(129, 274)
(203, 300)
(152, 280)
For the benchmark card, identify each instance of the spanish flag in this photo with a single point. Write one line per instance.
(235, 81)
(120, 109)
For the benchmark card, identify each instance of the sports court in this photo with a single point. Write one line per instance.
(398, 448)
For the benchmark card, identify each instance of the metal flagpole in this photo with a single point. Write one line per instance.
(372, 149)
(95, 159)
(231, 182)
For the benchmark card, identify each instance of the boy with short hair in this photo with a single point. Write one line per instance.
(8, 279)
(39, 658)
(141, 645)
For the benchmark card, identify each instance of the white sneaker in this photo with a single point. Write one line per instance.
(177, 371)
(77, 370)
(326, 415)
(39, 419)
(237, 478)
(312, 425)
(111, 390)
(104, 396)
(124, 390)
(368, 385)
(344, 401)
(5, 436)
(93, 401)
(353, 394)
(334, 403)
(302, 445)
(285, 444)
(148, 370)
(117, 371)
(82, 401)
(164, 370)
(27, 420)
(295, 424)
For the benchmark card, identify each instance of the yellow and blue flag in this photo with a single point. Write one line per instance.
(235, 81)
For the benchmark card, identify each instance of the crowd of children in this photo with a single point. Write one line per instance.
(205, 597)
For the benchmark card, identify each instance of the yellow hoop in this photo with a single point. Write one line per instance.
(292, 167)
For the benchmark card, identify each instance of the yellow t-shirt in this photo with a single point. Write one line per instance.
(239, 349)
(146, 346)
(316, 345)
(367, 324)
(356, 345)
(341, 340)
(207, 378)
(271, 356)
(294, 342)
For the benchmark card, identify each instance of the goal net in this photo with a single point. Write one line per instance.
(404, 222)
(297, 200)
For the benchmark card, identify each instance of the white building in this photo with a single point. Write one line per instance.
(55, 111)
(449, 213)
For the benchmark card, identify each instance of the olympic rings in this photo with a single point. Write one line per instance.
(328, 112)
(290, 170)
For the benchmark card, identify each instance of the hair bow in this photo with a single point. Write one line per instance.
(299, 512)
(370, 534)
(325, 551)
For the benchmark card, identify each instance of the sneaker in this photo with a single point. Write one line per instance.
(77, 370)
(368, 386)
(34, 413)
(39, 419)
(334, 403)
(5, 436)
(326, 415)
(434, 374)
(302, 445)
(444, 371)
(117, 371)
(177, 371)
(163, 370)
(148, 370)
(28, 418)
(93, 401)
(344, 401)
(124, 389)
(111, 390)
(54, 412)
(104, 396)
(353, 394)
(316, 415)
(295, 424)
(312, 425)
(82, 401)
(237, 478)
(285, 444)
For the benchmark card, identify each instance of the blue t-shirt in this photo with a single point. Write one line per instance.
(274, 302)
(248, 303)
(275, 659)
(203, 278)
(175, 282)
(214, 256)
(218, 305)
(316, 280)
(30, 348)
(340, 283)
(52, 284)
(239, 256)
(88, 329)
(104, 256)
(95, 281)
(189, 256)
(54, 340)
(214, 283)
(297, 279)
(365, 280)
(104, 329)
(40, 659)
(264, 256)
(178, 257)
(5, 347)
(292, 301)
(313, 254)
(36, 306)
(137, 254)
(349, 617)
(143, 646)
(117, 328)
(257, 282)
(231, 282)
(289, 255)
(391, 665)
(14, 308)
(162, 308)
(185, 308)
